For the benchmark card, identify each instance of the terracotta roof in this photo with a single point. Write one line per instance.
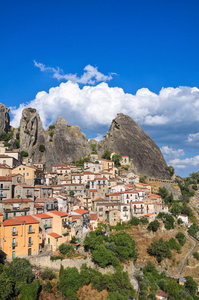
(114, 194)
(43, 200)
(74, 217)
(93, 190)
(27, 219)
(11, 222)
(43, 216)
(5, 178)
(60, 165)
(59, 213)
(54, 235)
(5, 156)
(81, 211)
(17, 200)
(99, 199)
(93, 217)
(161, 293)
(1, 214)
(154, 195)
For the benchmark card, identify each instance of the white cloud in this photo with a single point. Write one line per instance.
(98, 105)
(99, 137)
(170, 153)
(90, 76)
(193, 138)
(185, 163)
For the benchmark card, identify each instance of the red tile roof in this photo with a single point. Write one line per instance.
(5, 178)
(17, 200)
(27, 219)
(11, 222)
(74, 217)
(59, 213)
(93, 217)
(43, 216)
(54, 235)
(81, 211)
(161, 293)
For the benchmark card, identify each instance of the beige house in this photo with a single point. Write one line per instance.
(109, 212)
(6, 191)
(8, 160)
(23, 190)
(16, 207)
(5, 170)
(30, 174)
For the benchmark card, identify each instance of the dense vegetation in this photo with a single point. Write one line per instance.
(151, 281)
(109, 250)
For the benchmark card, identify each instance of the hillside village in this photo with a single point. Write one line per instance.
(40, 210)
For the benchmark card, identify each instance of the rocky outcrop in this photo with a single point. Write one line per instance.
(4, 118)
(127, 138)
(62, 143)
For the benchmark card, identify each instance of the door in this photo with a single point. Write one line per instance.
(29, 251)
(13, 254)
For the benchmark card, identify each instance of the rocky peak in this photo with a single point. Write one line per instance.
(126, 137)
(4, 118)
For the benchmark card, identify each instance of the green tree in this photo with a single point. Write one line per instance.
(191, 285)
(6, 287)
(30, 291)
(69, 282)
(104, 257)
(134, 221)
(181, 238)
(117, 158)
(42, 148)
(71, 193)
(48, 274)
(20, 270)
(24, 153)
(153, 226)
(193, 229)
(64, 249)
(107, 154)
(163, 192)
(160, 249)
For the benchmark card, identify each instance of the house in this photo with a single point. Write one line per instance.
(161, 295)
(61, 226)
(43, 191)
(23, 190)
(109, 212)
(8, 160)
(125, 160)
(93, 221)
(32, 175)
(20, 236)
(92, 167)
(184, 219)
(6, 191)
(55, 167)
(182, 281)
(16, 207)
(5, 170)
(48, 204)
(62, 203)
(45, 224)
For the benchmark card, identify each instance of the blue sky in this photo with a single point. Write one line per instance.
(152, 46)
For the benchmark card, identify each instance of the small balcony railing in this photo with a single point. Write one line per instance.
(14, 244)
(47, 225)
(14, 233)
(30, 244)
(31, 231)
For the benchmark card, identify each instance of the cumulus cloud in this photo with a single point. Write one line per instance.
(193, 138)
(91, 74)
(185, 163)
(170, 153)
(96, 106)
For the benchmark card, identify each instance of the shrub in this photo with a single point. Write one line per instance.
(134, 221)
(64, 249)
(51, 127)
(73, 240)
(30, 291)
(32, 110)
(181, 238)
(48, 274)
(154, 226)
(24, 153)
(104, 257)
(160, 249)
(193, 229)
(42, 148)
(56, 258)
(144, 220)
(48, 287)
(196, 255)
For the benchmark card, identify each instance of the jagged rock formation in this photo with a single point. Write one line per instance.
(66, 143)
(127, 138)
(4, 118)
(63, 143)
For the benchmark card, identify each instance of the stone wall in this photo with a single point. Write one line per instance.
(44, 261)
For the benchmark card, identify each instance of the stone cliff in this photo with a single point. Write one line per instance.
(4, 118)
(127, 138)
(62, 143)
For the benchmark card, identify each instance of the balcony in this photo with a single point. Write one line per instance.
(5, 187)
(3, 195)
(14, 244)
(31, 231)
(46, 226)
(29, 195)
(30, 244)
(15, 233)
(66, 232)
(65, 224)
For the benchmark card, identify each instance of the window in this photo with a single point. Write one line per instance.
(23, 169)
(19, 169)
(51, 206)
(48, 240)
(23, 174)
(4, 161)
(30, 228)
(14, 230)
(29, 240)
(27, 174)
(14, 241)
